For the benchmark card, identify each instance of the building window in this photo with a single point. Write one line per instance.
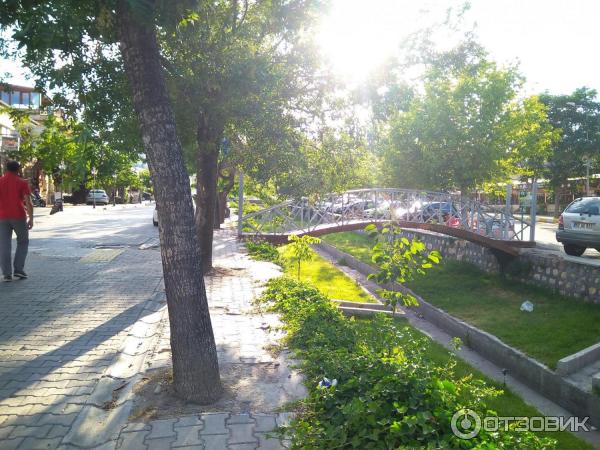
(25, 99)
(35, 100)
(15, 98)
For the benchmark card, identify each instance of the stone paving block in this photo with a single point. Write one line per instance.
(241, 433)
(136, 426)
(215, 441)
(11, 444)
(6, 431)
(268, 442)
(28, 421)
(27, 431)
(194, 447)
(162, 428)
(103, 392)
(239, 418)
(133, 440)
(187, 436)
(188, 421)
(159, 443)
(94, 426)
(57, 419)
(214, 424)
(242, 447)
(57, 431)
(32, 443)
(264, 422)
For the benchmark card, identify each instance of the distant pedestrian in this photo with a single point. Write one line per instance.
(15, 206)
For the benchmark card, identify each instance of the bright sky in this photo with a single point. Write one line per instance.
(554, 40)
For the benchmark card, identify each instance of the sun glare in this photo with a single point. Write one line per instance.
(357, 35)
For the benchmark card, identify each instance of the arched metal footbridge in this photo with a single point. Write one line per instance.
(489, 226)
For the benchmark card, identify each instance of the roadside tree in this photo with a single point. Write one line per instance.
(88, 37)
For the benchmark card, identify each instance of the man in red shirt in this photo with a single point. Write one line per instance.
(14, 197)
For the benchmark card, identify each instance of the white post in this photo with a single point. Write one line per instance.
(587, 178)
(533, 210)
(508, 213)
(240, 202)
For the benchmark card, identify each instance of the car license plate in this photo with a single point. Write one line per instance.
(583, 225)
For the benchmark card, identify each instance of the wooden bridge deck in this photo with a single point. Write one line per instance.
(508, 247)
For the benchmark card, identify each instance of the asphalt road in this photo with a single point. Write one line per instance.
(74, 231)
(546, 240)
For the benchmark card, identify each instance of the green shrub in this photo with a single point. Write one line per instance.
(300, 250)
(399, 259)
(388, 395)
(262, 251)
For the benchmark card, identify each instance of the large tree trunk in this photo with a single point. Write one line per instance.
(208, 137)
(206, 189)
(195, 364)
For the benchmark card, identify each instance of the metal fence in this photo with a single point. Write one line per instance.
(385, 205)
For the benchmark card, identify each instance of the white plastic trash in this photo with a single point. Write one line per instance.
(527, 306)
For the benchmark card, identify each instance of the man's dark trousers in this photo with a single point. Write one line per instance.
(20, 228)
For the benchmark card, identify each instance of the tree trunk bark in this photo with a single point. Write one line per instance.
(557, 192)
(206, 194)
(228, 175)
(195, 364)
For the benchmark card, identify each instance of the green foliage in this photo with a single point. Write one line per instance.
(388, 395)
(262, 251)
(145, 180)
(300, 249)
(398, 259)
(531, 136)
(577, 116)
(454, 134)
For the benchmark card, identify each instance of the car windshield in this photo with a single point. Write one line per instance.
(583, 205)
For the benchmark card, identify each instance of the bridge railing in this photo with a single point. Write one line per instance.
(381, 205)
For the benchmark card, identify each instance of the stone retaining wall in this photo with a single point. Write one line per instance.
(549, 270)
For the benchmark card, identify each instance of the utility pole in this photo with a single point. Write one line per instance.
(94, 187)
(533, 209)
(588, 165)
(240, 202)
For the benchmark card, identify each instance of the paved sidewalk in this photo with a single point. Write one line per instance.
(62, 330)
(89, 327)
(258, 383)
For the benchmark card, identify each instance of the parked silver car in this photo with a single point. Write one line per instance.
(99, 195)
(579, 226)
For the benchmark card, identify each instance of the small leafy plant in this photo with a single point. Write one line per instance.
(388, 393)
(399, 259)
(263, 251)
(300, 249)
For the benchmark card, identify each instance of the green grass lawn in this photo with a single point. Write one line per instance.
(326, 278)
(357, 245)
(506, 404)
(558, 326)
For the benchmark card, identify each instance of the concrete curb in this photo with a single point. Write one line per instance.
(529, 371)
(363, 309)
(579, 360)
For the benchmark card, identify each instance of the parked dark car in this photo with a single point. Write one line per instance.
(432, 211)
